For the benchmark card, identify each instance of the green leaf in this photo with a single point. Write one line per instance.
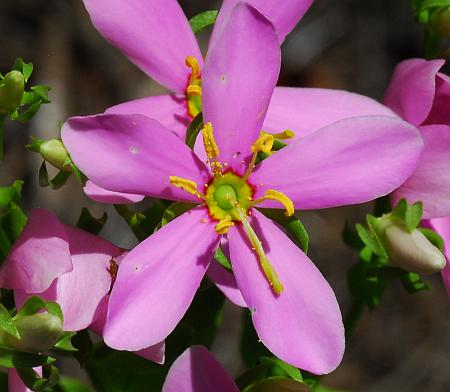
(31, 379)
(83, 344)
(59, 180)
(42, 92)
(203, 20)
(2, 131)
(65, 343)
(287, 370)
(67, 384)
(193, 130)
(6, 323)
(223, 260)
(351, 237)
(43, 175)
(10, 194)
(35, 304)
(413, 283)
(175, 210)
(12, 222)
(89, 223)
(426, 4)
(29, 112)
(277, 384)
(25, 68)
(14, 359)
(292, 224)
(433, 237)
(365, 284)
(371, 240)
(399, 210)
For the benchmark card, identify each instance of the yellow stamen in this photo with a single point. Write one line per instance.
(272, 194)
(264, 143)
(286, 134)
(211, 149)
(194, 89)
(192, 63)
(223, 226)
(187, 185)
(267, 268)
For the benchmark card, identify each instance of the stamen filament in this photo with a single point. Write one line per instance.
(264, 143)
(272, 194)
(269, 271)
(187, 185)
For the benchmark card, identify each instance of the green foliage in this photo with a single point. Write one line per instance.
(90, 223)
(35, 382)
(193, 130)
(222, 259)
(203, 20)
(6, 323)
(68, 384)
(12, 221)
(15, 359)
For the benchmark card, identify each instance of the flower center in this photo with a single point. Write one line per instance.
(229, 197)
(194, 88)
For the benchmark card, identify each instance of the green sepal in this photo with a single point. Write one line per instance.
(413, 283)
(193, 130)
(15, 359)
(203, 20)
(433, 237)
(351, 237)
(56, 182)
(33, 381)
(291, 224)
(35, 304)
(25, 68)
(65, 342)
(371, 240)
(90, 223)
(10, 194)
(411, 214)
(35, 144)
(6, 323)
(223, 260)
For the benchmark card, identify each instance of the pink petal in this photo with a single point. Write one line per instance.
(284, 17)
(226, 283)
(39, 255)
(440, 113)
(442, 226)
(157, 281)
(155, 353)
(169, 110)
(15, 383)
(102, 195)
(132, 154)
(319, 108)
(348, 162)
(80, 291)
(411, 91)
(240, 74)
(430, 182)
(302, 325)
(156, 38)
(196, 370)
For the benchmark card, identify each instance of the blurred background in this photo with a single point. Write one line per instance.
(344, 44)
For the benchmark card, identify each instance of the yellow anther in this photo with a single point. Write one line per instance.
(187, 185)
(223, 226)
(211, 149)
(286, 134)
(193, 64)
(269, 271)
(194, 89)
(272, 194)
(264, 143)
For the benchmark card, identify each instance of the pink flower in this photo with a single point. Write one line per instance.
(421, 95)
(69, 266)
(349, 161)
(196, 370)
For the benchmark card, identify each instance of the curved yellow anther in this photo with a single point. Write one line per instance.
(286, 134)
(211, 149)
(194, 89)
(264, 143)
(193, 64)
(223, 226)
(272, 194)
(187, 185)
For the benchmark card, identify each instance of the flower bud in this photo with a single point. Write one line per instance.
(412, 251)
(11, 91)
(440, 21)
(54, 152)
(38, 332)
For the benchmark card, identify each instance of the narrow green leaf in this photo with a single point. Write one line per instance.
(25, 68)
(89, 223)
(6, 323)
(29, 112)
(370, 239)
(65, 343)
(399, 210)
(59, 180)
(193, 130)
(43, 175)
(54, 309)
(203, 20)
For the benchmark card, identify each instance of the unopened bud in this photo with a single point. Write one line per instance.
(412, 251)
(11, 91)
(38, 332)
(54, 152)
(440, 21)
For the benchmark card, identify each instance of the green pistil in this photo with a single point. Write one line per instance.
(225, 197)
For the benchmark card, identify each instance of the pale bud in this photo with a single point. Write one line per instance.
(11, 91)
(54, 152)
